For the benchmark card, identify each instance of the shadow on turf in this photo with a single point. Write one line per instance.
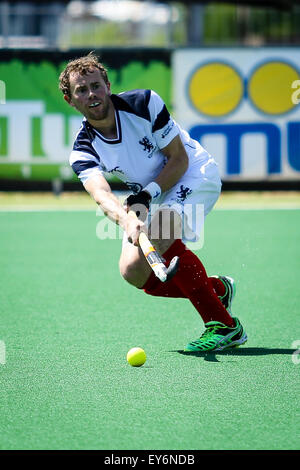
(210, 356)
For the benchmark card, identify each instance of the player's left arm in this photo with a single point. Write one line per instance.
(177, 164)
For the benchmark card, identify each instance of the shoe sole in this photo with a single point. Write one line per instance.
(235, 344)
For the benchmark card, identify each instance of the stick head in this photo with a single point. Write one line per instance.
(173, 267)
(165, 274)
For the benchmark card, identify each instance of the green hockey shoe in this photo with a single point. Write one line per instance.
(218, 336)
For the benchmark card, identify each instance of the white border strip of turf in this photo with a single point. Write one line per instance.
(47, 209)
(253, 208)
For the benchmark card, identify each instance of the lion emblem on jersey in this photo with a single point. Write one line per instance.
(183, 193)
(148, 146)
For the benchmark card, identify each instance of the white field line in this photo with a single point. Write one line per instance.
(91, 209)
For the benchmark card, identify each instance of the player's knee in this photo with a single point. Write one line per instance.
(133, 272)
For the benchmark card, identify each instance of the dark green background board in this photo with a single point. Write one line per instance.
(33, 74)
(68, 320)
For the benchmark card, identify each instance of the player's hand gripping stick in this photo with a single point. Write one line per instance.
(154, 259)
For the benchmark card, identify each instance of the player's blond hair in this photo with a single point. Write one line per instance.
(83, 65)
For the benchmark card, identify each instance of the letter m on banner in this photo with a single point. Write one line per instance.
(234, 133)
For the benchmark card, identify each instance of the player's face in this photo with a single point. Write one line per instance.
(90, 95)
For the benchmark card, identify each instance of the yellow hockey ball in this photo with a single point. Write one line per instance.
(136, 357)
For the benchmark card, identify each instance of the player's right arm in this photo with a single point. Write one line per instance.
(100, 191)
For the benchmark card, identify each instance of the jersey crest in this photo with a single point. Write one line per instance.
(147, 146)
(183, 193)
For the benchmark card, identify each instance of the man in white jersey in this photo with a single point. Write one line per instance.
(132, 135)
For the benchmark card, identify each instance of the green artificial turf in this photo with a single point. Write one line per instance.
(68, 320)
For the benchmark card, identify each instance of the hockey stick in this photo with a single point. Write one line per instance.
(155, 260)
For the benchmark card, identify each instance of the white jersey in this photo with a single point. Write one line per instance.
(144, 128)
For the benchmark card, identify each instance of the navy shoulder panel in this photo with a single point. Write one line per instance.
(83, 142)
(80, 166)
(161, 120)
(134, 102)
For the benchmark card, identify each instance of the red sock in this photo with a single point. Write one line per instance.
(218, 286)
(162, 289)
(168, 289)
(192, 282)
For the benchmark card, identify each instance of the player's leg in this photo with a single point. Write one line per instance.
(191, 278)
(206, 294)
